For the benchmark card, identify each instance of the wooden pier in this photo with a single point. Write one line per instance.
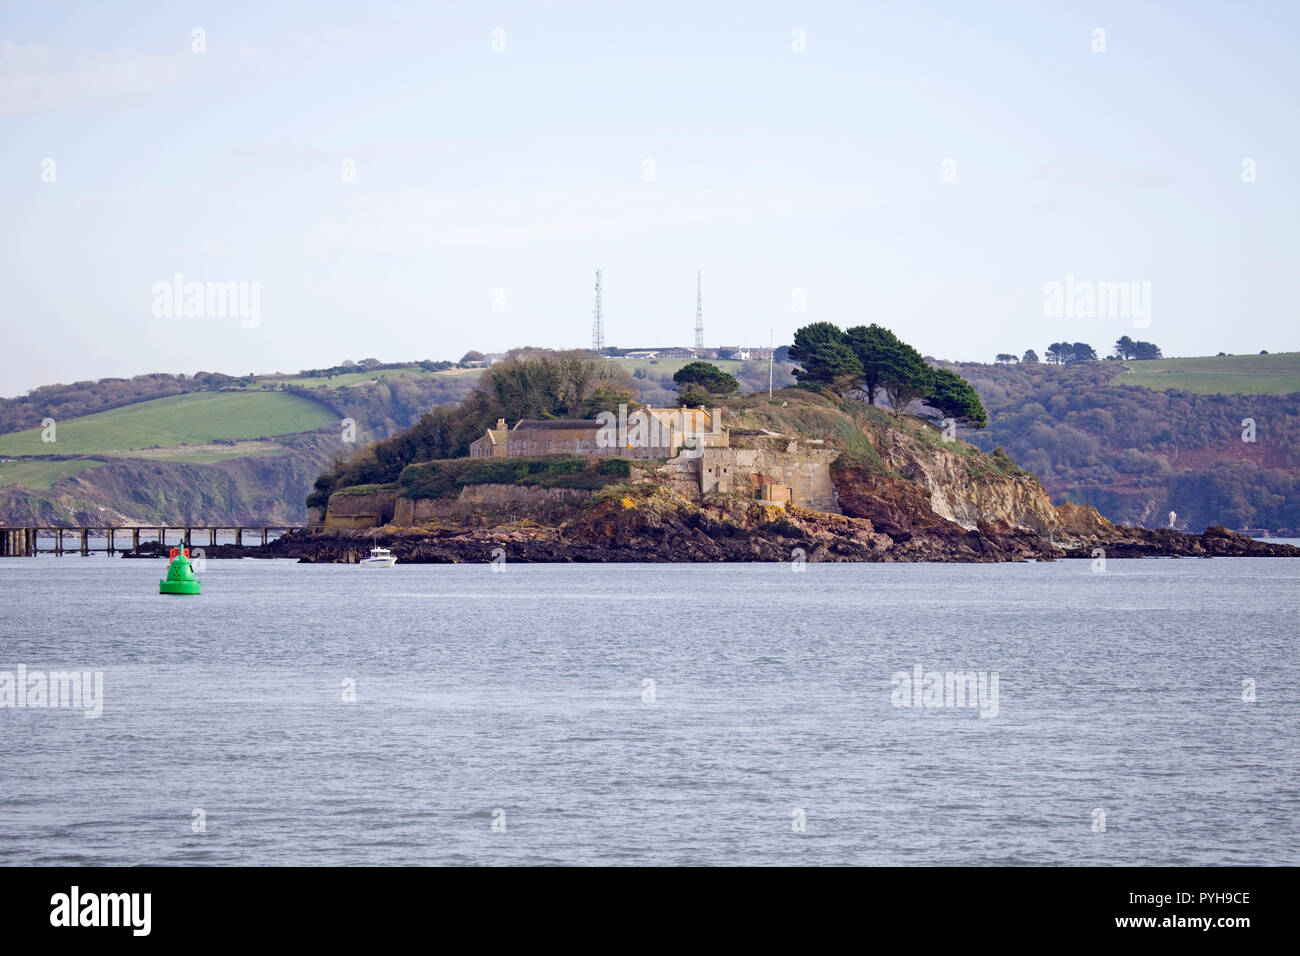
(28, 542)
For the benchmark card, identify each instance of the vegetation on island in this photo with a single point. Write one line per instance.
(870, 362)
(446, 478)
(538, 386)
(701, 382)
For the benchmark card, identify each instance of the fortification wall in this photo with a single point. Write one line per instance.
(802, 469)
(806, 471)
(361, 511)
(489, 503)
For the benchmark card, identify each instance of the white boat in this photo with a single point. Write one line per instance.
(379, 558)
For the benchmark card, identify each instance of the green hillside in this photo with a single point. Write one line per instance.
(190, 419)
(347, 379)
(1277, 374)
(42, 474)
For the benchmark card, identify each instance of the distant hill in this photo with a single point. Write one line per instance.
(1096, 437)
(220, 447)
(209, 447)
(1275, 374)
(173, 423)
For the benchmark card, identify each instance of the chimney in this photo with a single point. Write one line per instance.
(501, 423)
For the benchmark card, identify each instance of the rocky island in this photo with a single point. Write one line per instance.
(806, 475)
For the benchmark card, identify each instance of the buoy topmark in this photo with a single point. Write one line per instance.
(180, 574)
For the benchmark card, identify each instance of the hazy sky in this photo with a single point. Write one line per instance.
(524, 169)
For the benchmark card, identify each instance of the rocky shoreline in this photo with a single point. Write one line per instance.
(809, 536)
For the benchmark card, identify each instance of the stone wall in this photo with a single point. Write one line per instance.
(361, 511)
(489, 503)
(801, 467)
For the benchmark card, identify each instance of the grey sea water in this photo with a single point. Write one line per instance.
(510, 717)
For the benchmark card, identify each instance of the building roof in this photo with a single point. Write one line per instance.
(559, 424)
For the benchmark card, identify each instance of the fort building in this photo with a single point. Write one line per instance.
(699, 455)
(644, 433)
(767, 467)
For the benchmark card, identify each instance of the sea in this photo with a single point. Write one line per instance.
(1130, 712)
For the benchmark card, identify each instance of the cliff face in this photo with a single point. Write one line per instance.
(962, 485)
(266, 489)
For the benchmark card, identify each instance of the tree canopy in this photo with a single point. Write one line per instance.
(953, 396)
(1067, 353)
(1127, 348)
(706, 377)
(871, 361)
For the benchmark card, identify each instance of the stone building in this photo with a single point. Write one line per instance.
(562, 437)
(699, 455)
(644, 433)
(774, 469)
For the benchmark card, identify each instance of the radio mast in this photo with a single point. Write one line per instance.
(699, 312)
(597, 322)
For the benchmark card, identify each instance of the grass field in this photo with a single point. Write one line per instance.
(42, 474)
(1277, 374)
(339, 381)
(344, 379)
(659, 367)
(192, 419)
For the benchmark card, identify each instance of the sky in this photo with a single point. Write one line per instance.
(414, 180)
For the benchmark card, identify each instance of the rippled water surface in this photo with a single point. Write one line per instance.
(523, 698)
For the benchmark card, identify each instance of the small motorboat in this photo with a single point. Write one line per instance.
(379, 558)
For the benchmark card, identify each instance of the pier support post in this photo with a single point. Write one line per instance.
(239, 537)
(135, 539)
(263, 536)
(212, 537)
(109, 543)
(58, 543)
(85, 542)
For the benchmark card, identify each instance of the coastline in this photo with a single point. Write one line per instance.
(684, 545)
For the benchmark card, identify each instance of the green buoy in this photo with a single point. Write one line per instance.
(180, 575)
